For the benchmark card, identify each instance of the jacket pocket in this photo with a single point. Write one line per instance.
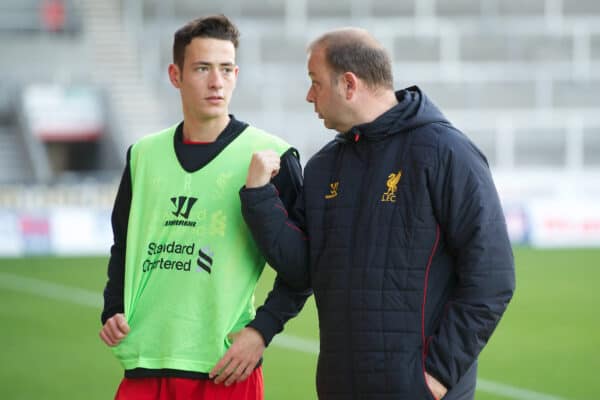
(420, 388)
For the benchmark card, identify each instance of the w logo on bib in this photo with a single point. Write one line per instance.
(180, 203)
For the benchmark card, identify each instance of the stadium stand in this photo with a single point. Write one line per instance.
(521, 78)
(518, 76)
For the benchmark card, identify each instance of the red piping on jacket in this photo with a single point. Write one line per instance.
(288, 223)
(281, 208)
(423, 338)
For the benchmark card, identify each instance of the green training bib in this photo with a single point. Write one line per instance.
(191, 263)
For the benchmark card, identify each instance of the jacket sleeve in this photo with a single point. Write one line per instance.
(113, 291)
(282, 304)
(284, 301)
(468, 210)
(278, 232)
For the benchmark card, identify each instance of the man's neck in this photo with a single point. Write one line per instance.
(378, 104)
(204, 131)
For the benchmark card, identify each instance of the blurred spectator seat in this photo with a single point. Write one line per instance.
(39, 16)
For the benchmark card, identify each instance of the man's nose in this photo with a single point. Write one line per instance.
(309, 96)
(216, 79)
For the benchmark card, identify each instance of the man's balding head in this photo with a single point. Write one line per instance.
(356, 50)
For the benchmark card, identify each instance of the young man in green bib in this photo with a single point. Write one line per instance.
(178, 303)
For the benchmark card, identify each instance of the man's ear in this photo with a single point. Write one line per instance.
(236, 71)
(350, 82)
(175, 75)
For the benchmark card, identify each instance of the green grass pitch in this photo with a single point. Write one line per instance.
(548, 343)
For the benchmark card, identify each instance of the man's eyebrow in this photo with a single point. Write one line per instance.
(228, 63)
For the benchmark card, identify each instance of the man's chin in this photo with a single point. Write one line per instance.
(215, 112)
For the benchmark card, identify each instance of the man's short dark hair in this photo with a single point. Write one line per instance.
(357, 52)
(214, 27)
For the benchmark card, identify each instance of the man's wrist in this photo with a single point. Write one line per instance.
(265, 326)
(252, 183)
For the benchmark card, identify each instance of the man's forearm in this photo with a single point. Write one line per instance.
(282, 304)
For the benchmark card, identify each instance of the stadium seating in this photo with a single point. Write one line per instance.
(498, 68)
(521, 78)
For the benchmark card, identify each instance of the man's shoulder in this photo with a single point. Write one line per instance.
(153, 137)
(324, 154)
(251, 129)
(440, 135)
(450, 143)
(252, 132)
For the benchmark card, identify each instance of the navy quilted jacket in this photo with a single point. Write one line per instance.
(404, 244)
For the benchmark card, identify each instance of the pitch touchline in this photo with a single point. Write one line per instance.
(93, 299)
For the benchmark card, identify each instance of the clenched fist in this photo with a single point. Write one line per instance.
(263, 166)
(114, 330)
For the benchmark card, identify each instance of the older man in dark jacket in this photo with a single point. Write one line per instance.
(402, 238)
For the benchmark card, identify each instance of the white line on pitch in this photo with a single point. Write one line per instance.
(93, 299)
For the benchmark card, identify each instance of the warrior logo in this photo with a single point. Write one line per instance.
(180, 203)
(183, 207)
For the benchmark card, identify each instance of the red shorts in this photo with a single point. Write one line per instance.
(190, 389)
